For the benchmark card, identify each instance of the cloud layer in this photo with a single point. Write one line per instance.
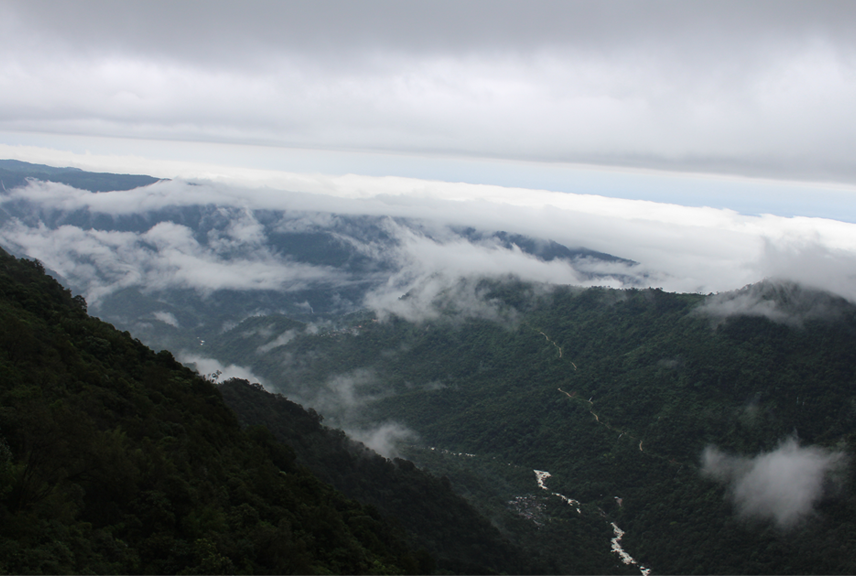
(783, 485)
(762, 88)
(677, 248)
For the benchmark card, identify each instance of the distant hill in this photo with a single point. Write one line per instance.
(165, 268)
(15, 173)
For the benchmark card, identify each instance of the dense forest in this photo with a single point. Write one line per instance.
(618, 394)
(115, 459)
(423, 506)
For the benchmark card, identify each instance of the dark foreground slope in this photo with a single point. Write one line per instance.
(424, 506)
(114, 459)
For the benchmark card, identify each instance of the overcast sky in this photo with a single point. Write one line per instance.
(506, 93)
(603, 124)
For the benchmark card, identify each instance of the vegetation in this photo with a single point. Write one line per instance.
(114, 459)
(15, 173)
(616, 394)
(423, 506)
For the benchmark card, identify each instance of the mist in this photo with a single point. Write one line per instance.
(214, 370)
(784, 302)
(677, 248)
(782, 486)
(383, 438)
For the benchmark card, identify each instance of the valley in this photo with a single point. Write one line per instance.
(683, 432)
(653, 382)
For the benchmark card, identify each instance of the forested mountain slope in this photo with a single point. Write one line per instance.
(424, 507)
(114, 459)
(714, 431)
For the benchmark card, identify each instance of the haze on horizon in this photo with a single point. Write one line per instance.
(711, 142)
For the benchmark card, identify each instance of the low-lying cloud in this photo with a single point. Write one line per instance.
(167, 318)
(782, 302)
(440, 275)
(168, 255)
(280, 340)
(782, 486)
(677, 248)
(342, 399)
(384, 438)
(211, 368)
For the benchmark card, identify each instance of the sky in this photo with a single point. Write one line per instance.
(711, 142)
(508, 93)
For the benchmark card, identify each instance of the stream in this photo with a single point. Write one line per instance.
(626, 558)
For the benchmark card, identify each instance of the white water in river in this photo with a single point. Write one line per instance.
(625, 557)
(542, 475)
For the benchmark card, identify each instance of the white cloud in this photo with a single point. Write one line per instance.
(165, 256)
(678, 248)
(383, 438)
(209, 366)
(167, 318)
(728, 87)
(783, 485)
(280, 340)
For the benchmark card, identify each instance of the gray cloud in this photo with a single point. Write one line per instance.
(783, 302)
(678, 248)
(208, 366)
(783, 485)
(383, 438)
(763, 88)
(212, 31)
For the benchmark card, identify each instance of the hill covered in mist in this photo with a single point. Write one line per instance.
(175, 262)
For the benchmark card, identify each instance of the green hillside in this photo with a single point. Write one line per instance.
(617, 394)
(114, 459)
(424, 507)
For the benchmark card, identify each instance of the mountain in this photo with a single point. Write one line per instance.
(114, 459)
(712, 430)
(597, 426)
(14, 173)
(176, 262)
(424, 507)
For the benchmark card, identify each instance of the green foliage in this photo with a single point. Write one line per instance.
(114, 459)
(616, 393)
(423, 506)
